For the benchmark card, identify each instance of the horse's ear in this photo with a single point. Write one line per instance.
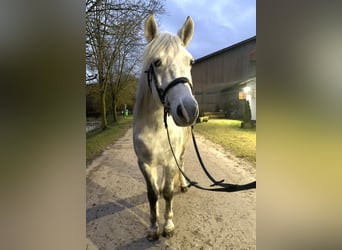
(185, 33)
(151, 28)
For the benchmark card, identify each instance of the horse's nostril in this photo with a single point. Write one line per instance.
(179, 110)
(182, 113)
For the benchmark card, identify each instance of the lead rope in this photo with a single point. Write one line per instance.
(215, 182)
(224, 187)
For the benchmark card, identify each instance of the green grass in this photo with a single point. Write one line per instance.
(227, 133)
(98, 139)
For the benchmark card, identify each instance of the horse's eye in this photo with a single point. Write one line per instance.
(192, 61)
(157, 63)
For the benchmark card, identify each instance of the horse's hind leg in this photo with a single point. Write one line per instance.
(169, 175)
(151, 177)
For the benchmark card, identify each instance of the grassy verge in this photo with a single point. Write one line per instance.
(227, 133)
(97, 140)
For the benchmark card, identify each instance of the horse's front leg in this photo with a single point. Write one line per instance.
(183, 183)
(169, 174)
(150, 174)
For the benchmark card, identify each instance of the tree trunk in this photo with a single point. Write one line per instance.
(103, 110)
(115, 113)
(114, 105)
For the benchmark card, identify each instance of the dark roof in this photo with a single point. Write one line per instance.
(225, 49)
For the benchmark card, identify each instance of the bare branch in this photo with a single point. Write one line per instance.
(114, 39)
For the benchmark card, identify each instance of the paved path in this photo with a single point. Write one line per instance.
(118, 210)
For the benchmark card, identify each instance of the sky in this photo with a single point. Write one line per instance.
(218, 23)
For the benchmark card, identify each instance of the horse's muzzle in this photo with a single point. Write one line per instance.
(186, 112)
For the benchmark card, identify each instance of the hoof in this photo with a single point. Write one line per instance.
(184, 189)
(168, 235)
(152, 237)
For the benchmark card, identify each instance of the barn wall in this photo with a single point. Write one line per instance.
(223, 70)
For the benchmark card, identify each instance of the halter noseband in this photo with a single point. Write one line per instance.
(151, 75)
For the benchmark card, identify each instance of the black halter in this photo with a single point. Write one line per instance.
(163, 92)
(151, 75)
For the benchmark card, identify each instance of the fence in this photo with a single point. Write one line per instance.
(92, 125)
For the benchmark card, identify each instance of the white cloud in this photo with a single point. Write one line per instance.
(218, 23)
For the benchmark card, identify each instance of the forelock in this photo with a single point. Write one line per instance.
(163, 41)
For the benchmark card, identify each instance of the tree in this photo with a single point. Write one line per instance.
(128, 56)
(113, 37)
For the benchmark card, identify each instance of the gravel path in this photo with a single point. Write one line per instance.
(118, 210)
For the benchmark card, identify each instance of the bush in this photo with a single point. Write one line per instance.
(202, 119)
(247, 117)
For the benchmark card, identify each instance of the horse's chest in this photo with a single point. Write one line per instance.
(156, 142)
(153, 146)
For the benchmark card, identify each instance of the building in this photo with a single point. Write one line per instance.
(225, 79)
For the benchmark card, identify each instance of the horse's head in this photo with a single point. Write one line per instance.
(168, 65)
